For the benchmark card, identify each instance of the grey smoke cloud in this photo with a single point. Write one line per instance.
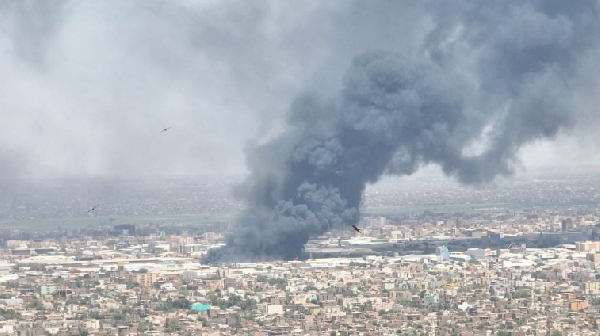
(506, 72)
(31, 26)
(86, 86)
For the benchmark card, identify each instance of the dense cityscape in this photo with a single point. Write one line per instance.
(307, 168)
(433, 258)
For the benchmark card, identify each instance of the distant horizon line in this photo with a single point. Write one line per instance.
(589, 168)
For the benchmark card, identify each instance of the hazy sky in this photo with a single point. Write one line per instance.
(86, 86)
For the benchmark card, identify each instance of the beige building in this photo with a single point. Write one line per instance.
(577, 305)
(592, 288)
(587, 246)
(270, 309)
(144, 279)
(593, 256)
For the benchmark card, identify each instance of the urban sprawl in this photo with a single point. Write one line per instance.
(519, 257)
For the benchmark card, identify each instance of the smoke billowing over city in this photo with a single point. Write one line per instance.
(269, 167)
(487, 80)
(319, 98)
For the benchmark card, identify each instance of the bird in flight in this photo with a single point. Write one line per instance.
(356, 229)
(94, 208)
(165, 129)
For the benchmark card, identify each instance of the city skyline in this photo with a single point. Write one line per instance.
(306, 168)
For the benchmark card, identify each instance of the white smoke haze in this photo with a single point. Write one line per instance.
(313, 99)
(86, 86)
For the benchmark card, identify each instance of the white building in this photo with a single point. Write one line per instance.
(476, 253)
(48, 289)
(270, 309)
(13, 302)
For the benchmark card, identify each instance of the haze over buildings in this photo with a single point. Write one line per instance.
(434, 256)
(321, 99)
(227, 146)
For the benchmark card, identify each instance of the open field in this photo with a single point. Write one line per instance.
(71, 223)
(447, 208)
(460, 208)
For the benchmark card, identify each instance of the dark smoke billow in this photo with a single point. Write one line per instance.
(499, 77)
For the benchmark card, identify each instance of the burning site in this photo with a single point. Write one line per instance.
(467, 101)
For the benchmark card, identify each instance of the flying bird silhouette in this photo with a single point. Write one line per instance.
(356, 229)
(94, 208)
(165, 129)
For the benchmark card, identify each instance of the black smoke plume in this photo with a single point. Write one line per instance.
(493, 76)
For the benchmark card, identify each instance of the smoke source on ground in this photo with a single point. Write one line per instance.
(489, 79)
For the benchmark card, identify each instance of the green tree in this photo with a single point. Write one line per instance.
(10, 314)
(181, 303)
(36, 304)
(172, 325)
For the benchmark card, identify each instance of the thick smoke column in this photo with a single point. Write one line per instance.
(496, 75)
